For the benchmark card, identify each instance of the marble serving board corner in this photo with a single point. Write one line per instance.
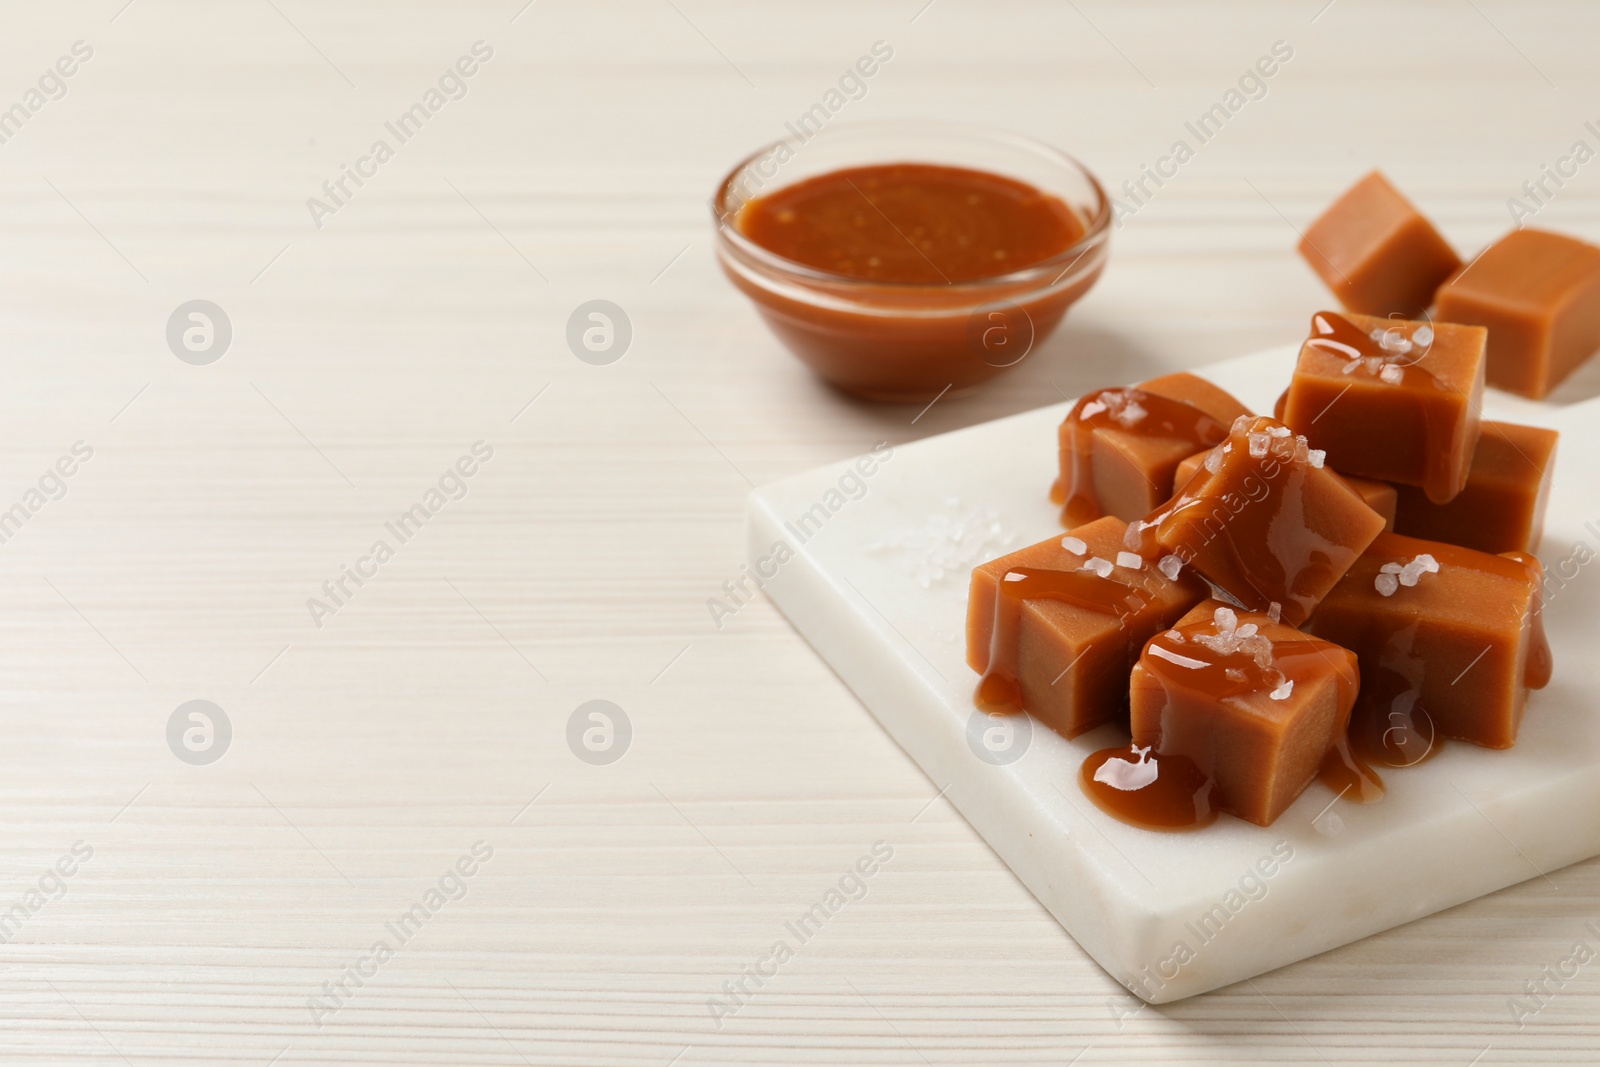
(881, 552)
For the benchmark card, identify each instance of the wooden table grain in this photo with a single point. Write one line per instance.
(400, 858)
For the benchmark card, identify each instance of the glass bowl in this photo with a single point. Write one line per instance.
(910, 342)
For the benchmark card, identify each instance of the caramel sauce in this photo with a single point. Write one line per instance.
(1177, 797)
(1335, 335)
(912, 223)
(1271, 548)
(1540, 664)
(998, 692)
(1347, 773)
(1111, 409)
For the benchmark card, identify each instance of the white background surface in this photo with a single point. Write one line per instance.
(367, 355)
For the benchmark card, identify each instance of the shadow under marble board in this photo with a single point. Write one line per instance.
(874, 575)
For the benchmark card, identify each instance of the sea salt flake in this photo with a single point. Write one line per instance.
(1386, 584)
(1126, 775)
(1175, 636)
(1170, 566)
(1014, 576)
(1283, 691)
(1242, 423)
(1099, 566)
(1316, 457)
(1075, 545)
(1234, 674)
(1131, 560)
(1259, 648)
(1132, 413)
(1280, 431)
(1247, 630)
(1225, 620)
(1258, 445)
(1423, 335)
(1392, 373)
(1213, 461)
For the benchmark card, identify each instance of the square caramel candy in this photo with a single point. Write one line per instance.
(1502, 507)
(1443, 633)
(1254, 704)
(1391, 399)
(1379, 496)
(1054, 628)
(1120, 447)
(1264, 520)
(1539, 295)
(1377, 252)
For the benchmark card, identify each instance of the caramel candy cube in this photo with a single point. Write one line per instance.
(1442, 632)
(1539, 295)
(1391, 399)
(1255, 704)
(1502, 507)
(1377, 252)
(1265, 520)
(1055, 628)
(1119, 447)
(1379, 496)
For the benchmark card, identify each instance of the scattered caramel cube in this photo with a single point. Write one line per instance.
(1379, 496)
(1265, 520)
(1456, 633)
(1502, 507)
(1377, 252)
(1539, 295)
(1054, 628)
(1391, 399)
(1119, 447)
(1255, 704)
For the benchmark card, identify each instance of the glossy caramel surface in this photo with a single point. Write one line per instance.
(912, 223)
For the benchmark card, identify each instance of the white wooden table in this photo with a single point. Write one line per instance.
(430, 711)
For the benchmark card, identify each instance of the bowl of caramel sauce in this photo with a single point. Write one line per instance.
(902, 261)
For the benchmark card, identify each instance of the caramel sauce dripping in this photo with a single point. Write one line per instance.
(1178, 796)
(1162, 417)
